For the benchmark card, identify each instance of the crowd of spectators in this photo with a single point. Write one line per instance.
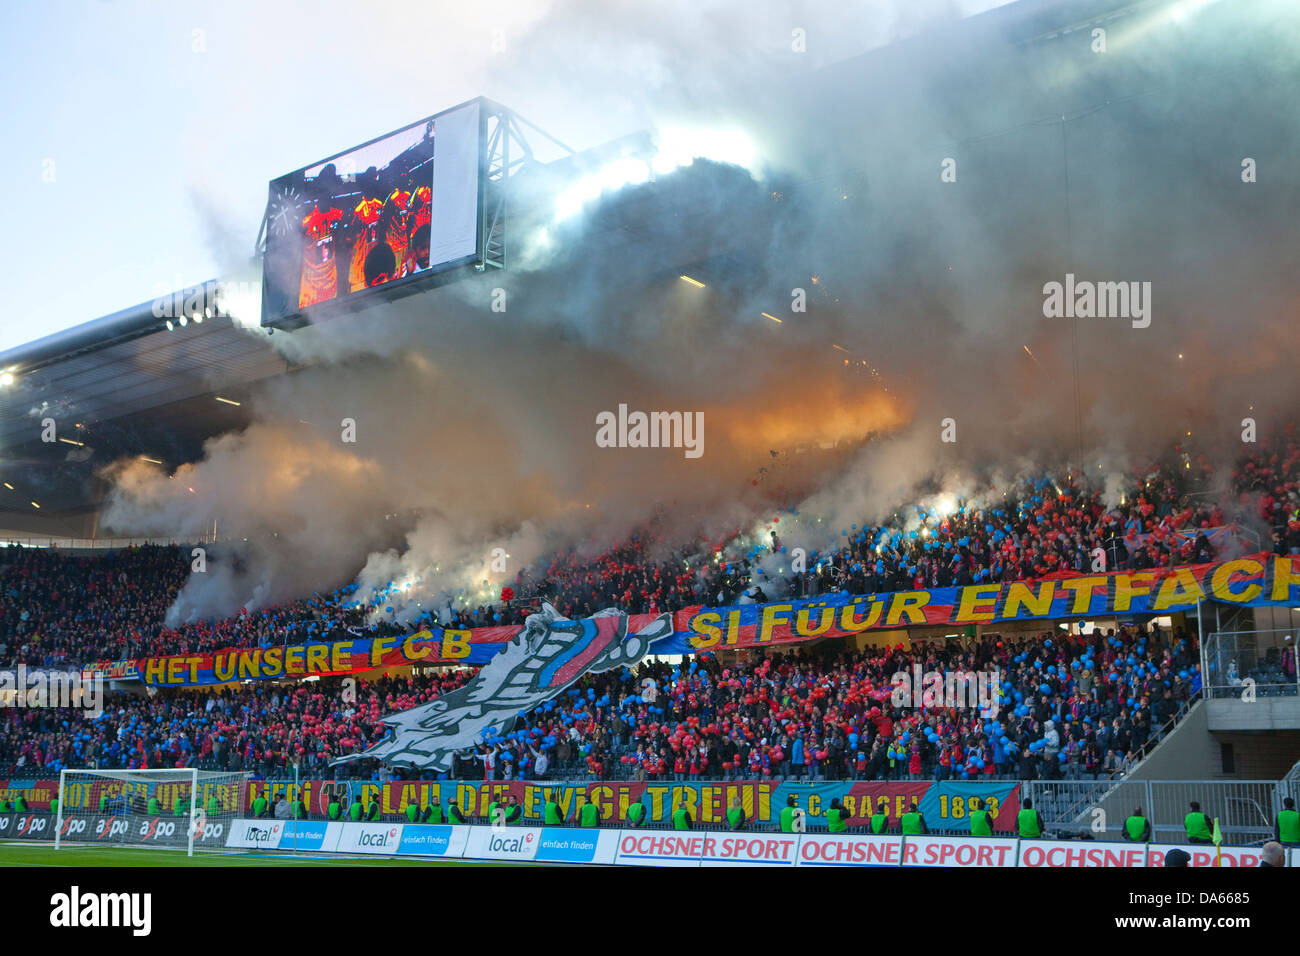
(1067, 707)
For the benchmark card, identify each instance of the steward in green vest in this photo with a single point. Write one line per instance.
(837, 821)
(259, 806)
(552, 816)
(356, 810)
(1029, 823)
(913, 822)
(787, 813)
(981, 823)
(514, 812)
(1197, 825)
(1137, 828)
(879, 822)
(5, 808)
(181, 808)
(433, 812)
(20, 804)
(454, 815)
(412, 812)
(154, 807)
(373, 813)
(211, 807)
(299, 810)
(333, 811)
(589, 815)
(103, 803)
(1288, 824)
(54, 807)
(735, 814)
(635, 814)
(681, 819)
(492, 813)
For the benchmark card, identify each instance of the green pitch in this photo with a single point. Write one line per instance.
(36, 854)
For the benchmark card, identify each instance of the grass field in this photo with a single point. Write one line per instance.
(36, 854)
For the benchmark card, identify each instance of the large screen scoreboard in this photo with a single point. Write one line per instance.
(385, 214)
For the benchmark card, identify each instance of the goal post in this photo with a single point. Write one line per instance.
(186, 809)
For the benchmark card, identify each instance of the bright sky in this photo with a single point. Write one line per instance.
(139, 135)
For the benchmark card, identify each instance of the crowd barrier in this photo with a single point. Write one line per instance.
(528, 844)
(705, 848)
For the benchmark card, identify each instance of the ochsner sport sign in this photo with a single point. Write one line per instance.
(1042, 853)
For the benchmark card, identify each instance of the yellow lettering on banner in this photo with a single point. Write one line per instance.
(339, 652)
(1221, 583)
(907, 604)
(771, 614)
(687, 797)
(814, 804)
(825, 619)
(272, 662)
(603, 798)
(848, 615)
(1021, 595)
(712, 809)
(455, 645)
(194, 663)
(1284, 578)
(378, 648)
(978, 603)
(704, 630)
(248, 661)
(317, 659)
(1083, 588)
(174, 665)
(1180, 588)
(467, 799)
(765, 791)
(154, 670)
(413, 653)
(1129, 586)
(223, 666)
(532, 797)
(293, 660)
(657, 795)
(733, 628)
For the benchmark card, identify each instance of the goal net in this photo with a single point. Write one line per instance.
(175, 809)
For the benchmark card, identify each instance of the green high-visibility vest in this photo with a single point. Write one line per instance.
(181, 808)
(1197, 826)
(373, 813)
(636, 814)
(412, 813)
(879, 821)
(736, 818)
(787, 819)
(103, 803)
(20, 804)
(1027, 824)
(354, 811)
(211, 806)
(54, 807)
(153, 806)
(299, 811)
(4, 807)
(589, 816)
(679, 820)
(1135, 826)
(492, 813)
(912, 823)
(552, 817)
(835, 820)
(1288, 826)
(980, 824)
(433, 814)
(259, 806)
(454, 815)
(334, 810)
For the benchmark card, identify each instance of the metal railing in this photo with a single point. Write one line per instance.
(1234, 660)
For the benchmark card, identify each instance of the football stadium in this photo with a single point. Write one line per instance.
(736, 436)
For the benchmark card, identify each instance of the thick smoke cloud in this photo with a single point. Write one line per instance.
(476, 429)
